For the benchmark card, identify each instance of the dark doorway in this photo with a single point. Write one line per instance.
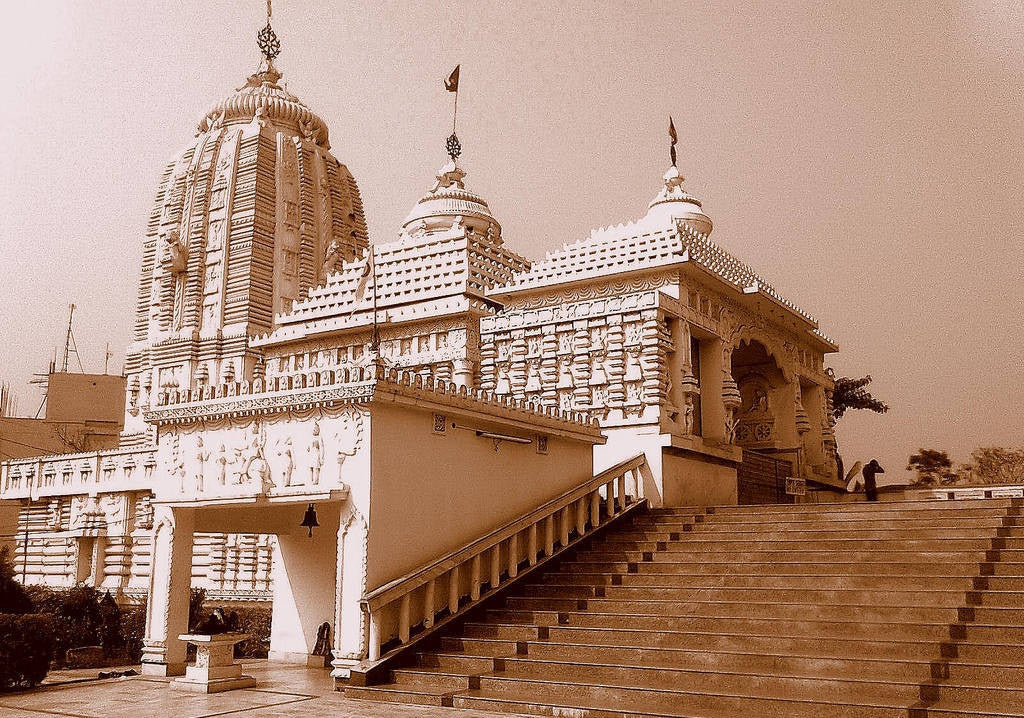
(761, 479)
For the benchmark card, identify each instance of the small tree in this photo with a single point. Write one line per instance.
(997, 465)
(933, 467)
(13, 597)
(850, 393)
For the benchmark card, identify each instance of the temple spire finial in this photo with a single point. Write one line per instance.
(267, 40)
(452, 144)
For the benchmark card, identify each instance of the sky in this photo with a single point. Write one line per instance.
(865, 157)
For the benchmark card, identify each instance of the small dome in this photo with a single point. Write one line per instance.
(448, 200)
(674, 202)
(262, 96)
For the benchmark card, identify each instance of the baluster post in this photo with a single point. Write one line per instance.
(374, 648)
(495, 565)
(565, 527)
(403, 618)
(513, 556)
(609, 498)
(581, 516)
(428, 604)
(531, 544)
(549, 535)
(453, 591)
(595, 510)
(474, 578)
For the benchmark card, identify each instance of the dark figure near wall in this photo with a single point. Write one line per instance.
(870, 487)
(217, 622)
(323, 640)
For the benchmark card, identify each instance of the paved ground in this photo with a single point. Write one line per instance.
(286, 691)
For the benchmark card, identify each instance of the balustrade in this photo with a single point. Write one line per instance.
(90, 472)
(405, 606)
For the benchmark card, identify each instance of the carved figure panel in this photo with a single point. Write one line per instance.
(265, 455)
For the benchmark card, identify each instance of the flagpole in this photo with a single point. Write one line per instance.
(375, 337)
(455, 114)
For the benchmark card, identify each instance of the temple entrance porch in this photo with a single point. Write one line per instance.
(309, 573)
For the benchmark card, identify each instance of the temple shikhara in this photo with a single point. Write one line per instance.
(374, 432)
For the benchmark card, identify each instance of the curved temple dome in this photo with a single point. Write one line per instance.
(674, 202)
(449, 202)
(249, 217)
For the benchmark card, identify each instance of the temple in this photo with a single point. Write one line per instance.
(451, 411)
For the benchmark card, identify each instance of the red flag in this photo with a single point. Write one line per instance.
(672, 136)
(452, 83)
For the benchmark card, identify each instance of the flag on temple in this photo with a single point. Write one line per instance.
(452, 83)
(672, 136)
(364, 276)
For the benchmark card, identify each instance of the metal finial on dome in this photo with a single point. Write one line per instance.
(454, 146)
(267, 40)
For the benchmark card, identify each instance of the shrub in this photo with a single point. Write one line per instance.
(26, 649)
(254, 620)
(196, 598)
(77, 619)
(111, 634)
(13, 596)
(133, 630)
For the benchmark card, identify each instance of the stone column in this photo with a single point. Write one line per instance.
(712, 373)
(169, 584)
(462, 373)
(349, 621)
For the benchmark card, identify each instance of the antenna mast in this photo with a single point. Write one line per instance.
(70, 345)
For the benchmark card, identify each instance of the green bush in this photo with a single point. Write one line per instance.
(196, 598)
(254, 620)
(111, 633)
(133, 630)
(26, 649)
(13, 596)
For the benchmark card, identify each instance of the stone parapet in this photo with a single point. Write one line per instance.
(85, 473)
(359, 385)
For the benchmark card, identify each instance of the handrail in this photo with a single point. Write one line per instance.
(581, 509)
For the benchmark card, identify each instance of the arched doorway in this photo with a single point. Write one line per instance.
(763, 424)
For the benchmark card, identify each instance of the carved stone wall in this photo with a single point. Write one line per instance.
(605, 357)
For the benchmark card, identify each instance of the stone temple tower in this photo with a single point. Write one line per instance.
(247, 219)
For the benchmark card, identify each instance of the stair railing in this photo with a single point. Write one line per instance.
(414, 600)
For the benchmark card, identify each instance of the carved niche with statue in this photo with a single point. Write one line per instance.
(755, 421)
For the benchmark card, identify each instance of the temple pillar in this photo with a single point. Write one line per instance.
(712, 373)
(170, 582)
(350, 622)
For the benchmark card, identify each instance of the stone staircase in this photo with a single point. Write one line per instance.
(860, 610)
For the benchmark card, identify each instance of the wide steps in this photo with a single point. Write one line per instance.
(804, 569)
(649, 579)
(908, 609)
(710, 607)
(777, 664)
(540, 698)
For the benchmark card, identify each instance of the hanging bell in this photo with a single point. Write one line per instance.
(309, 520)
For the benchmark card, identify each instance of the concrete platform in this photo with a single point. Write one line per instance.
(288, 691)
